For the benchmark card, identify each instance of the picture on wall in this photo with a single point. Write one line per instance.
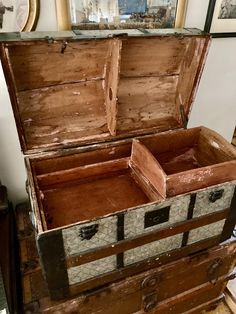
(221, 18)
(18, 15)
(128, 13)
(130, 6)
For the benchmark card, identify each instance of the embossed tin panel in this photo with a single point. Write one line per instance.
(213, 199)
(134, 220)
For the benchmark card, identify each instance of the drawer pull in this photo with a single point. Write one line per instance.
(216, 195)
(150, 282)
(150, 302)
(86, 233)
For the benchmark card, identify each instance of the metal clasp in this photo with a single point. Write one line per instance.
(64, 46)
(86, 233)
(216, 195)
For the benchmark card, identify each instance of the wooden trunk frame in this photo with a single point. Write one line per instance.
(103, 137)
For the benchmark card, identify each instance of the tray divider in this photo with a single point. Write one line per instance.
(145, 185)
(112, 73)
(149, 167)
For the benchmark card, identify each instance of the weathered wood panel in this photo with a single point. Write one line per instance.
(111, 84)
(200, 178)
(145, 103)
(42, 65)
(63, 114)
(149, 167)
(190, 73)
(79, 173)
(167, 59)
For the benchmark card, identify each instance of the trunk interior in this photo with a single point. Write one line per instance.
(88, 185)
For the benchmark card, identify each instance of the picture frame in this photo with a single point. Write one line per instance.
(121, 14)
(221, 18)
(19, 15)
(63, 16)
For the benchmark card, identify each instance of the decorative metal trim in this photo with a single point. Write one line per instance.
(156, 217)
(120, 237)
(52, 256)
(231, 220)
(190, 216)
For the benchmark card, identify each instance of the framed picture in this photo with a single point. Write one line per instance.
(221, 18)
(130, 6)
(63, 16)
(91, 14)
(18, 15)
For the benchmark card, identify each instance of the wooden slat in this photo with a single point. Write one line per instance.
(171, 141)
(156, 235)
(212, 304)
(146, 102)
(148, 166)
(82, 172)
(195, 179)
(72, 158)
(169, 53)
(212, 148)
(186, 301)
(190, 72)
(146, 186)
(63, 114)
(42, 64)
(111, 84)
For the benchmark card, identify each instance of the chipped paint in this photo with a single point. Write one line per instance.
(216, 145)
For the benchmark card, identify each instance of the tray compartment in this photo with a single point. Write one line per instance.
(90, 191)
(186, 160)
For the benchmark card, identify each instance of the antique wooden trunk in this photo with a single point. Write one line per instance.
(116, 182)
(189, 285)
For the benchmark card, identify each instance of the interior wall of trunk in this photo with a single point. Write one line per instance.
(214, 106)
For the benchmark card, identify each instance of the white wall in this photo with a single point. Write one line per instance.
(215, 104)
(12, 169)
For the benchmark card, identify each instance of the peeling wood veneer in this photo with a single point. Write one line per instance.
(94, 91)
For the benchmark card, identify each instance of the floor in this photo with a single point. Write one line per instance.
(221, 309)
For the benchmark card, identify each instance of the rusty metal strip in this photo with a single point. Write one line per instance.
(120, 237)
(190, 216)
(52, 256)
(125, 245)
